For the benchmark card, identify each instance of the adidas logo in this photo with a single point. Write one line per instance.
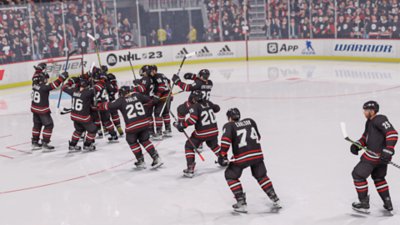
(225, 51)
(204, 52)
(182, 53)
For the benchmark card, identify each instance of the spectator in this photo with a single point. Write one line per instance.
(161, 36)
(192, 35)
(153, 38)
(169, 34)
(125, 34)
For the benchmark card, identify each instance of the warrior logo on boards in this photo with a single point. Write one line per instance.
(309, 50)
(225, 51)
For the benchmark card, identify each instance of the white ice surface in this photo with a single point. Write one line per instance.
(298, 106)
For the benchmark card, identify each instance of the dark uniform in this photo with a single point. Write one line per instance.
(82, 102)
(145, 86)
(161, 89)
(113, 90)
(40, 106)
(380, 137)
(206, 129)
(133, 110)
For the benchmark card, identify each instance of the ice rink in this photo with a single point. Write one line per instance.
(298, 106)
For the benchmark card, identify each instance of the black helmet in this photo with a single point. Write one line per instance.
(40, 66)
(371, 105)
(104, 68)
(204, 73)
(146, 69)
(196, 96)
(39, 78)
(233, 113)
(83, 82)
(124, 90)
(154, 67)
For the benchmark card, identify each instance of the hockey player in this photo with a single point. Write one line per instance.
(82, 101)
(131, 106)
(380, 138)
(244, 137)
(206, 130)
(102, 89)
(145, 86)
(162, 87)
(113, 90)
(40, 106)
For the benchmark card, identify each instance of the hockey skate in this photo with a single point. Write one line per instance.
(200, 148)
(113, 138)
(73, 148)
(89, 146)
(47, 148)
(158, 136)
(240, 206)
(156, 162)
(189, 172)
(362, 206)
(140, 164)
(387, 204)
(274, 198)
(36, 146)
(168, 132)
(99, 135)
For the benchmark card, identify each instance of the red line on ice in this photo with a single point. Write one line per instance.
(6, 156)
(12, 147)
(69, 179)
(6, 136)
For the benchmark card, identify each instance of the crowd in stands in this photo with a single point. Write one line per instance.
(52, 29)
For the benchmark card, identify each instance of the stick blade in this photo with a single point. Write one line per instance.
(343, 128)
(190, 54)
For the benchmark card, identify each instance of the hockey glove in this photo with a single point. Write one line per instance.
(386, 156)
(223, 160)
(136, 82)
(355, 149)
(176, 79)
(64, 75)
(179, 126)
(189, 76)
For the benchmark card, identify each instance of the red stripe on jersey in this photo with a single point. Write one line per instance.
(249, 159)
(248, 152)
(391, 132)
(226, 139)
(383, 189)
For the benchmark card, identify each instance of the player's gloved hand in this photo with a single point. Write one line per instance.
(64, 75)
(156, 100)
(136, 82)
(355, 149)
(223, 160)
(189, 76)
(386, 156)
(179, 126)
(176, 79)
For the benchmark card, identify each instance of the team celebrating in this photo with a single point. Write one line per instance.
(97, 103)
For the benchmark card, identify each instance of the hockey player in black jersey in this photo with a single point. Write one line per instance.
(206, 130)
(244, 137)
(82, 99)
(380, 138)
(131, 106)
(40, 106)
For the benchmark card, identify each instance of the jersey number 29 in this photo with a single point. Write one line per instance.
(132, 113)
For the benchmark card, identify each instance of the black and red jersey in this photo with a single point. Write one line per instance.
(40, 96)
(203, 118)
(245, 140)
(103, 89)
(379, 134)
(132, 109)
(198, 84)
(81, 103)
(161, 85)
(145, 86)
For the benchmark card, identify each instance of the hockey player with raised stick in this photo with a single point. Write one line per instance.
(244, 137)
(82, 99)
(206, 129)
(40, 107)
(131, 106)
(380, 138)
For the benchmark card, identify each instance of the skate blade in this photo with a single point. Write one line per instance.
(113, 141)
(48, 150)
(37, 149)
(139, 168)
(188, 175)
(240, 210)
(363, 211)
(157, 166)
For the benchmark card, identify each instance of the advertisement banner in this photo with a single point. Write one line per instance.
(365, 48)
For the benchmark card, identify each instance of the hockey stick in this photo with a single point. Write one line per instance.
(96, 44)
(179, 70)
(187, 136)
(95, 100)
(66, 111)
(346, 137)
(133, 70)
(65, 70)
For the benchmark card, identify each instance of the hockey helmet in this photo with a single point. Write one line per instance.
(233, 113)
(41, 66)
(104, 68)
(124, 90)
(146, 69)
(204, 73)
(197, 96)
(154, 67)
(39, 78)
(371, 105)
(83, 82)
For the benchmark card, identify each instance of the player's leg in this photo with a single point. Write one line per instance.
(97, 122)
(151, 121)
(214, 146)
(167, 121)
(144, 140)
(181, 112)
(360, 174)
(36, 130)
(259, 172)
(378, 175)
(232, 174)
(190, 156)
(91, 129)
(79, 129)
(132, 139)
(105, 118)
(159, 120)
(48, 124)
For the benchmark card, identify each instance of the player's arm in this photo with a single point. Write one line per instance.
(69, 90)
(363, 139)
(215, 107)
(105, 106)
(193, 117)
(391, 137)
(140, 85)
(61, 78)
(226, 139)
(186, 87)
